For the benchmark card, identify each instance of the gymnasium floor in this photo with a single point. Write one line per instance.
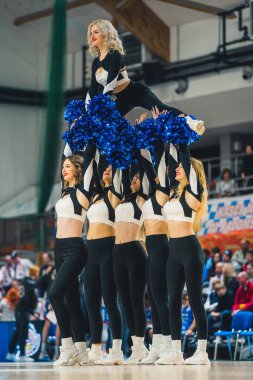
(45, 371)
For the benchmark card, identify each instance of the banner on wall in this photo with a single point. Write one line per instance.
(229, 221)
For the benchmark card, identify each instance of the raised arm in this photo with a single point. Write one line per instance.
(194, 187)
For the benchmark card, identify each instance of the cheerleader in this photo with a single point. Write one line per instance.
(109, 75)
(129, 260)
(98, 275)
(70, 254)
(185, 211)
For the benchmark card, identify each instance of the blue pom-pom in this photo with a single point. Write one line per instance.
(74, 110)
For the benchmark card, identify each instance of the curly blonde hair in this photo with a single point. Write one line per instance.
(77, 161)
(201, 212)
(112, 39)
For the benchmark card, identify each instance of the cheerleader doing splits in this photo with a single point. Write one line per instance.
(70, 254)
(109, 75)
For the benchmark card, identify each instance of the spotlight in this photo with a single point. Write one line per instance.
(247, 72)
(182, 86)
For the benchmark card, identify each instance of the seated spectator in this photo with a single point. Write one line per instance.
(208, 264)
(216, 257)
(249, 270)
(218, 274)
(188, 321)
(221, 315)
(226, 186)
(8, 305)
(239, 257)
(212, 298)
(244, 294)
(229, 278)
(247, 169)
(249, 260)
(227, 255)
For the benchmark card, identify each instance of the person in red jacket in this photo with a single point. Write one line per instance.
(244, 294)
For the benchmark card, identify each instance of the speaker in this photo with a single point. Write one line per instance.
(152, 72)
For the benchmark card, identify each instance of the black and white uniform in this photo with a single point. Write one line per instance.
(157, 245)
(98, 275)
(70, 255)
(111, 72)
(129, 260)
(186, 260)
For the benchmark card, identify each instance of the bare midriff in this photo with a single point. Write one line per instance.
(178, 229)
(69, 227)
(100, 231)
(121, 87)
(155, 227)
(126, 232)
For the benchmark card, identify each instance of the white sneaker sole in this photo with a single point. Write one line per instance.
(175, 362)
(198, 363)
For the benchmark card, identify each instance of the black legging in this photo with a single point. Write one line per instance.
(70, 256)
(99, 282)
(158, 252)
(185, 265)
(21, 333)
(129, 263)
(140, 95)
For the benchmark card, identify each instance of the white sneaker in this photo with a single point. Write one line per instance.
(196, 125)
(138, 354)
(153, 355)
(11, 357)
(94, 356)
(26, 359)
(199, 357)
(112, 358)
(173, 357)
(66, 353)
(82, 358)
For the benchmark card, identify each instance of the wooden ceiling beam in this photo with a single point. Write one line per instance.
(48, 12)
(145, 25)
(205, 8)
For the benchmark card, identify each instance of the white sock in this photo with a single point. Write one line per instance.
(139, 341)
(81, 346)
(167, 341)
(96, 348)
(116, 345)
(43, 348)
(202, 343)
(133, 339)
(176, 345)
(157, 340)
(67, 342)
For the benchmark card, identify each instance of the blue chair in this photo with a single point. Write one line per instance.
(241, 321)
(246, 334)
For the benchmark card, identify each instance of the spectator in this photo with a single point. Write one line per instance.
(188, 321)
(20, 267)
(239, 257)
(226, 186)
(208, 264)
(244, 294)
(227, 255)
(212, 298)
(218, 274)
(229, 278)
(26, 306)
(249, 270)
(221, 316)
(249, 260)
(8, 305)
(216, 258)
(46, 272)
(50, 320)
(6, 274)
(247, 169)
